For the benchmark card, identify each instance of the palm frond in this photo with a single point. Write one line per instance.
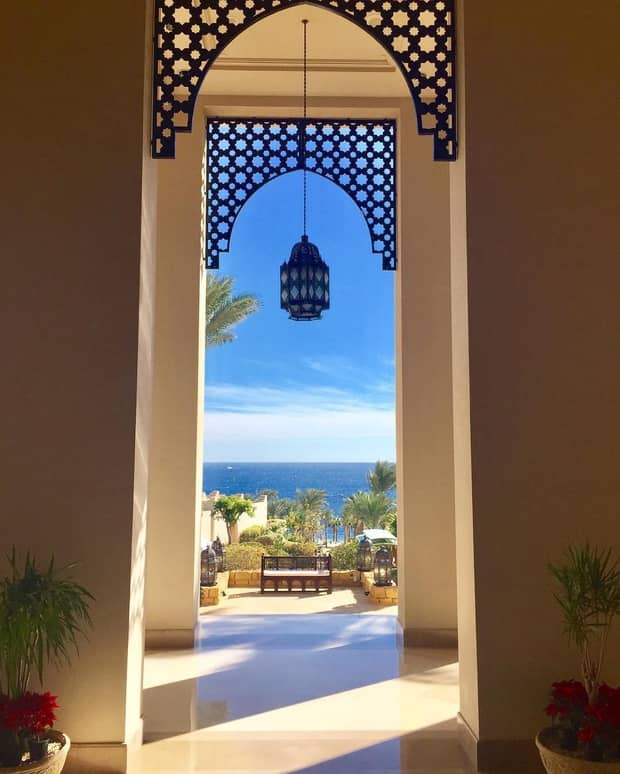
(224, 310)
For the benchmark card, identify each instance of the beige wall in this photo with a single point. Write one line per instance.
(75, 322)
(541, 182)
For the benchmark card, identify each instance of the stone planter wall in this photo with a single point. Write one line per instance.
(241, 578)
(209, 595)
(379, 595)
(340, 578)
(383, 595)
(346, 578)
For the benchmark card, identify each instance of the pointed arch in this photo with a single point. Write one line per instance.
(359, 156)
(418, 35)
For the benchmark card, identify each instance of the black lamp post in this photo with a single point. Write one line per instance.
(304, 278)
(383, 567)
(220, 554)
(208, 567)
(364, 555)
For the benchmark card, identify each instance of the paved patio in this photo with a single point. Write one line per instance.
(244, 601)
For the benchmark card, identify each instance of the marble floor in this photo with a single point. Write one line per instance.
(267, 690)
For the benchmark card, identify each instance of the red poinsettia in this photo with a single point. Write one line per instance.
(28, 714)
(595, 727)
(567, 697)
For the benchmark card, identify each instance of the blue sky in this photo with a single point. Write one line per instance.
(320, 391)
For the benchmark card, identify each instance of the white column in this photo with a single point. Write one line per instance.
(175, 486)
(427, 571)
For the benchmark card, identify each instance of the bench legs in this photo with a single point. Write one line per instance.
(312, 583)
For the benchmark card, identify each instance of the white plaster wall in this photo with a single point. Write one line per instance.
(213, 528)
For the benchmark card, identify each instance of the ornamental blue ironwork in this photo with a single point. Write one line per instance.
(419, 35)
(243, 154)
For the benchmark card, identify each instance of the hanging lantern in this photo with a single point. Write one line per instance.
(364, 555)
(383, 567)
(304, 279)
(304, 282)
(208, 567)
(220, 554)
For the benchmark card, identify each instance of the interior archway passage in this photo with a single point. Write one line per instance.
(244, 154)
(418, 34)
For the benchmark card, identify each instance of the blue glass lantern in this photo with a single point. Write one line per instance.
(304, 282)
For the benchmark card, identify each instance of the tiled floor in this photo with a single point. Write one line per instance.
(271, 691)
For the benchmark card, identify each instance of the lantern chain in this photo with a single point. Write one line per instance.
(303, 131)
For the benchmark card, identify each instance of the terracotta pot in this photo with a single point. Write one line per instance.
(558, 762)
(51, 764)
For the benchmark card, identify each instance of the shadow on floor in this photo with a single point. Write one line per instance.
(431, 749)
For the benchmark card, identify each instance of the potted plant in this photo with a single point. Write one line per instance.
(585, 735)
(42, 615)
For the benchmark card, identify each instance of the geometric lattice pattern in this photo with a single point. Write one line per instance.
(418, 34)
(244, 154)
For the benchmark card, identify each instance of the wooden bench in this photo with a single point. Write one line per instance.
(312, 571)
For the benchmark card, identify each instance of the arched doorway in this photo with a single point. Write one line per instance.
(424, 408)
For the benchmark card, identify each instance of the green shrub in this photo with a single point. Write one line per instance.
(344, 556)
(250, 534)
(303, 549)
(276, 525)
(267, 540)
(244, 556)
(280, 546)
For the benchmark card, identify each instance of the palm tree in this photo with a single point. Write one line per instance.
(305, 515)
(330, 522)
(348, 521)
(382, 477)
(312, 500)
(224, 310)
(368, 509)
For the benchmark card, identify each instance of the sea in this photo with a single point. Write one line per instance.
(338, 479)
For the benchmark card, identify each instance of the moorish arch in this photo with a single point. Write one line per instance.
(419, 35)
(244, 154)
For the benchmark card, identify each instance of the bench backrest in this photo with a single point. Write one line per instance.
(297, 563)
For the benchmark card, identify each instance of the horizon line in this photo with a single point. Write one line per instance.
(294, 462)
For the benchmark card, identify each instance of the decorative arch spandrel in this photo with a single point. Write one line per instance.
(419, 35)
(244, 154)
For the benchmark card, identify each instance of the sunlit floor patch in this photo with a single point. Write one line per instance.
(288, 693)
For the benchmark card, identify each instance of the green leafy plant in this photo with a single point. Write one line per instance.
(344, 556)
(230, 508)
(244, 556)
(250, 534)
(589, 597)
(43, 614)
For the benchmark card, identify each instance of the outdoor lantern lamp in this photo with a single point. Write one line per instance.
(304, 278)
(383, 567)
(364, 555)
(208, 567)
(220, 554)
